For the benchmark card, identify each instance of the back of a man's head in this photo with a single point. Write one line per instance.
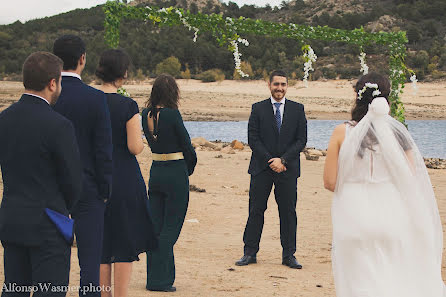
(39, 69)
(69, 48)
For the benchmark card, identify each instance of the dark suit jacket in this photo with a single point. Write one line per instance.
(265, 141)
(87, 109)
(40, 164)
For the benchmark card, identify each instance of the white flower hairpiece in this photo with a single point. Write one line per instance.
(371, 86)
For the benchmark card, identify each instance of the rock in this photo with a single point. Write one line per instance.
(228, 150)
(311, 157)
(201, 141)
(237, 145)
(198, 141)
(192, 221)
(315, 152)
(211, 145)
(194, 188)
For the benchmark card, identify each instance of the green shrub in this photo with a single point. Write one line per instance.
(186, 73)
(170, 66)
(139, 75)
(438, 74)
(212, 75)
(329, 72)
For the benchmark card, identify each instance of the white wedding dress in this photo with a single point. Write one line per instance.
(387, 234)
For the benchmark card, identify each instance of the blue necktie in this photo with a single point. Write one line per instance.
(278, 116)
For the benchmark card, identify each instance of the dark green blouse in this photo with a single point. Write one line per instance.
(172, 135)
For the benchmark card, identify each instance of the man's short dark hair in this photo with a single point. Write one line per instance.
(69, 48)
(39, 69)
(277, 73)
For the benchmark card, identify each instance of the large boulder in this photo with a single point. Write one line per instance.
(228, 150)
(201, 141)
(237, 145)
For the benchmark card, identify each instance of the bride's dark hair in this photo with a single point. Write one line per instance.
(361, 105)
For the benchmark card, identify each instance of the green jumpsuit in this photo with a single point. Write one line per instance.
(168, 193)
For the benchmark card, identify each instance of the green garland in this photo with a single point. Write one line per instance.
(228, 30)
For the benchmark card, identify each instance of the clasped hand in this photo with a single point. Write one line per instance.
(276, 165)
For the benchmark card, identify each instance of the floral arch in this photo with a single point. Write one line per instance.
(228, 32)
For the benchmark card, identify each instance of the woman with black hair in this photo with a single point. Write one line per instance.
(174, 160)
(128, 229)
(387, 233)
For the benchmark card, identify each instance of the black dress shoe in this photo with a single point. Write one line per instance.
(291, 262)
(168, 289)
(246, 260)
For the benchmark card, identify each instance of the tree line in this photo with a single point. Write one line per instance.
(152, 49)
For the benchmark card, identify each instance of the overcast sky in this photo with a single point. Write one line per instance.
(24, 10)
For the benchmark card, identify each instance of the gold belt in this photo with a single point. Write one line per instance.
(167, 157)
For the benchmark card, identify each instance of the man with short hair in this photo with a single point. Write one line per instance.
(277, 133)
(87, 109)
(40, 165)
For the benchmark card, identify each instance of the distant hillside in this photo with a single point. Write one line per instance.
(423, 20)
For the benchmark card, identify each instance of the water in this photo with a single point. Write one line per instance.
(430, 136)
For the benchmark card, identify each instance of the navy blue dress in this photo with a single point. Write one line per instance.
(128, 229)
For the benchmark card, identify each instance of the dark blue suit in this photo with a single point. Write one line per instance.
(40, 164)
(87, 109)
(267, 142)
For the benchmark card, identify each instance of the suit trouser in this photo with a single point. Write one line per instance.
(46, 267)
(88, 218)
(285, 192)
(168, 201)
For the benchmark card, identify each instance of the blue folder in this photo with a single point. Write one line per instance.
(63, 223)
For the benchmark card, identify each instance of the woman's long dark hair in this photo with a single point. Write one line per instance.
(361, 106)
(165, 92)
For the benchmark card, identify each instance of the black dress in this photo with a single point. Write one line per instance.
(128, 229)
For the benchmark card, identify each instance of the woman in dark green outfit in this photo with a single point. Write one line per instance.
(174, 159)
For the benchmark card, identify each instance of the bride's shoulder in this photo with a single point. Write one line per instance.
(340, 128)
(339, 132)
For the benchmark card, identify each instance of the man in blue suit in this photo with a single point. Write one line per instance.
(87, 109)
(41, 170)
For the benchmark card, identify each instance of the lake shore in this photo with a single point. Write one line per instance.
(231, 100)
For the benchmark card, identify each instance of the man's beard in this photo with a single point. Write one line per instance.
(55, 97)
(278, 93)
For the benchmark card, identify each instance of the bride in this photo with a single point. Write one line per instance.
(387, 234)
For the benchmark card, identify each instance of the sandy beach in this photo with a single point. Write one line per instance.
(211, 239)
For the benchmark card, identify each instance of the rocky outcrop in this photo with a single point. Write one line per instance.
(435, 163)
(201, 144)
(313, 154)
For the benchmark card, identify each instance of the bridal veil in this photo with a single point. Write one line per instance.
(387, 233)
